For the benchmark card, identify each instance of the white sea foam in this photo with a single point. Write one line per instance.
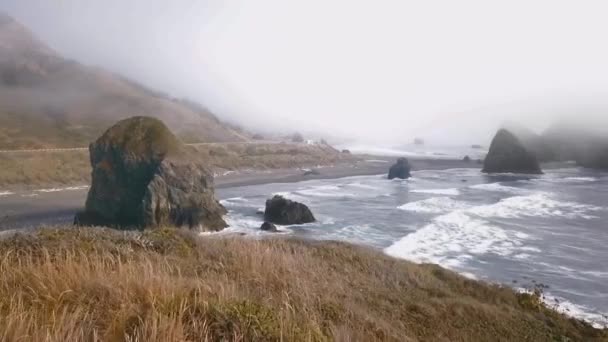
(562, 305)
(246, 225)
(582, 179)
(434, 205)
(291, 196)
(325, 191)
(356, 233)
(447, 192)
(464, 231)
(362, 186)
(70, 188)
(233, 201)
(451, 238)
(536, 205)
(6, 193)
(561, 178)
(497, 187)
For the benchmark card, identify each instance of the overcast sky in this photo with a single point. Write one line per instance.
(449, 71)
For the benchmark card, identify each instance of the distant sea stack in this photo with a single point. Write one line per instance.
(507, 154)
(401, 169)
(143, 177)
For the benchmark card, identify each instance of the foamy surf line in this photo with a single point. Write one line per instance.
(447, 192)
(564, 306)
(536, 205)
(455, 238)
(434, 205)
(497, 187)
(6, 193)
(71, 188)
(467, 231)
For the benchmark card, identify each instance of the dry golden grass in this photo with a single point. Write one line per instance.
(167, 285)
(73, 167)
(44, 169)
(269, 156)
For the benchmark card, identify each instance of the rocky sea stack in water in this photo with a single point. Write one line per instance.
(401, 169)
(143, 177)
(507, 154)
(280, 210)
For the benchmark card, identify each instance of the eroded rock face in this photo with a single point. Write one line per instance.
(282, 211)
(401, 169)
(142, 177)
(508, 154)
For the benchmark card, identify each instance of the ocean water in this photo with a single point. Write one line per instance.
(419, 151)
(515, 230)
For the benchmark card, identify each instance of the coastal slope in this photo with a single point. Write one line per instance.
(170, 285)
(48, 101)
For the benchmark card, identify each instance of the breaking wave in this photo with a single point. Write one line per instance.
(434, 205)
(447, 192)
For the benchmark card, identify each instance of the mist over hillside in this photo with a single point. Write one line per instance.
(47, 100)
(385, 73)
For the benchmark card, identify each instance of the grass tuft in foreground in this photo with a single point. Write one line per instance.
(97, 284)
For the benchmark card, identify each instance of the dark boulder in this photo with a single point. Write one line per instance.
(269, 227)
(345, 151)
(144, 177)
(466, 159)
(508, 154)
(401, 169)
(282, 211)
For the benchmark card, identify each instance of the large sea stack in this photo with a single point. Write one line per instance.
(143, 177)
(507, 154)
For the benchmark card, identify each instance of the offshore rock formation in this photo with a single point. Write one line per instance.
(282, 211)
(508, 154)
(143, 177)
(401, 169)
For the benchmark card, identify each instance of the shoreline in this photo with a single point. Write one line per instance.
(28, 207)
(368, 166)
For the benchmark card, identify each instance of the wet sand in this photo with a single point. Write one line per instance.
(32, 208)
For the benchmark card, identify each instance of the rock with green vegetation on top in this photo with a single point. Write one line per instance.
(144, 177)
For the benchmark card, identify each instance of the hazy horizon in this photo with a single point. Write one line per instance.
(382, 72)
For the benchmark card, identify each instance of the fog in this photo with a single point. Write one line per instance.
(379, 71)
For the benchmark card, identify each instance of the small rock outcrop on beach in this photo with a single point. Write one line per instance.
(466, 159)
(143, 177)
(280, 210)
(269, 227)
(508, 154)
(401, 169)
